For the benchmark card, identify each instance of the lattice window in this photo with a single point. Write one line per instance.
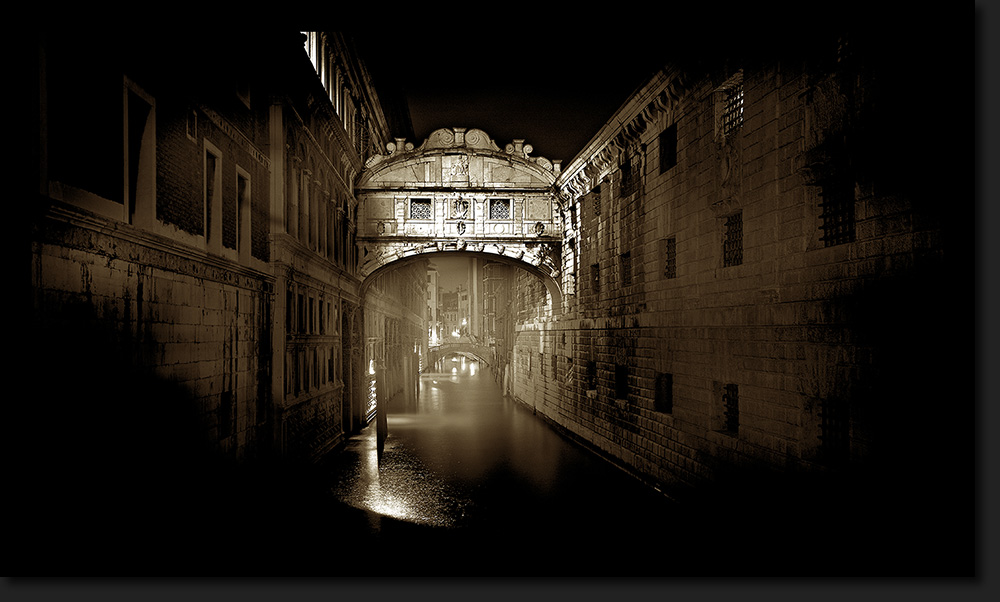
(838, 212)
(834, 430)
(420, 209)
(664, 394)
(732, 242)
(499, 208)
(670, 258)
(625, 260)
(731, 408)
(668, 148)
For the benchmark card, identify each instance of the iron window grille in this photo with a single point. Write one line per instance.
(499, 208)
(670, 258)
(732, 243)
(837, 213)
(420, 209)
(732, 109)
(731, 408)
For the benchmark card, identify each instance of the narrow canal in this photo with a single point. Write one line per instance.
(471, 483)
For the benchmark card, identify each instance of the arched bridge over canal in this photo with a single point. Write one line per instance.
(459, 192)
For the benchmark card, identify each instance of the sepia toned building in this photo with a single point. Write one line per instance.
(742, 277)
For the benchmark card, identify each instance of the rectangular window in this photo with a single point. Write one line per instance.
(302, 314)
(590, 375)
(312, 316)
(731, 408)
(621, 381)
(211, 192)
(595, 277)
(192, 124)
(420, 209)
(670, 257)
(732, 242)
(500, 209)
(838, 212)
(668, 148)
(664, 394)
(625, 260)
(630, 175)
(242, 212)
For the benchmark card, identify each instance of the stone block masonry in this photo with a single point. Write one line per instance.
(116, 311)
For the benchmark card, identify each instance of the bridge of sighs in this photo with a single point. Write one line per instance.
(459, 192)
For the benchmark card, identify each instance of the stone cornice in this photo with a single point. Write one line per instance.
(659, 96)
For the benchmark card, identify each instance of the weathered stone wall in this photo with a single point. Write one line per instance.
(810, 342)
(127, 314)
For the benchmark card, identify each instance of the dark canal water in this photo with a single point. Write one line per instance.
(471, 483)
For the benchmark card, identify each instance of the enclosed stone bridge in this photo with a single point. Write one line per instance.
(475, 351)
(459, 192)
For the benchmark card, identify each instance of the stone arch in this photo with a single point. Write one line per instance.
(551, 283)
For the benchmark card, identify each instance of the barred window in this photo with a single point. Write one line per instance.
(420, 209)
(838, 212)
(729, 105)
(670, 257)
(499, 208)
(732, 112)
(731, 408)
(625, 259)
(732, 242)
(668, 148)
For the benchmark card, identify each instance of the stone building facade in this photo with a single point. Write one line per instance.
(195, 232)
(746, 272)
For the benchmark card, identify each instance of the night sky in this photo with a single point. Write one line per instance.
(553, 90)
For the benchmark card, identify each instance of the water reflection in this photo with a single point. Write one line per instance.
(464, 457)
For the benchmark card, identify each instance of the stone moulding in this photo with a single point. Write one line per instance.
(472, 141)
(659, 100)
